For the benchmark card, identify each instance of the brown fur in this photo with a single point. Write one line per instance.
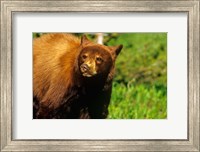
(60, 90)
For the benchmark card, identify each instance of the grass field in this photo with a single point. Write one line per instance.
(140, 85)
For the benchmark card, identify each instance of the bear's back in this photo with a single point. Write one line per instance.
(53, 45)
(47, 60)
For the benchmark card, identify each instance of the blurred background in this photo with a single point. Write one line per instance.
(140, 83)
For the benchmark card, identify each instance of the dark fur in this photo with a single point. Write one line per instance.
(60, 90)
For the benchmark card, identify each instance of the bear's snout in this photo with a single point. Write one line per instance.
(88, 70)
(84, 68)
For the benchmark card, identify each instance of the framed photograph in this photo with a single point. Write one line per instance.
(99, 75)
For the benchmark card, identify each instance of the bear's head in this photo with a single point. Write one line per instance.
(95, 59)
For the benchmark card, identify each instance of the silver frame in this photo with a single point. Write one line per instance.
(9, 7)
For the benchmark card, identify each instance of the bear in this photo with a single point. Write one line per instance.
(72, 77)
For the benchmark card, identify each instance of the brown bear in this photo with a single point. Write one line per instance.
(72, 78)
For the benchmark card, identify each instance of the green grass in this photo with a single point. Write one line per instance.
(140, 84)
(137, 102)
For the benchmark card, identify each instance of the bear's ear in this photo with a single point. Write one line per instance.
(116, 49)
(84, 40)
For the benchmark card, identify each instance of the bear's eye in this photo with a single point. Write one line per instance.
(99, 60)
(84, 56)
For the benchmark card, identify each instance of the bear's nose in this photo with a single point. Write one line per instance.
(84, 67)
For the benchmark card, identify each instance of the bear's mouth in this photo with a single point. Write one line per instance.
(87, 75)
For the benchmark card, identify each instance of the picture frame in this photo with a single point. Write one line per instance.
(8, 8)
